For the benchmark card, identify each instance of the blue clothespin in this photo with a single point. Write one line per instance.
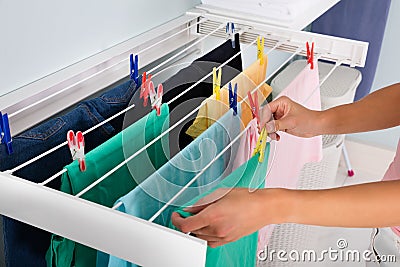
(230, 31)
(134, 74)
(6, 133)
(233, 98)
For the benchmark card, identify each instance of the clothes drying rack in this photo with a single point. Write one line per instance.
(102, 228)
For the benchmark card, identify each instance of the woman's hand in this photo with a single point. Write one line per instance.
(226, 215)
(285, 115)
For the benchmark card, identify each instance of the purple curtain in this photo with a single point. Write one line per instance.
(363, 20)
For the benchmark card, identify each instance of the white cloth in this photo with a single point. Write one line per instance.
(282, 10)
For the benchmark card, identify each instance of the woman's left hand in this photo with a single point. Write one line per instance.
(226, 215)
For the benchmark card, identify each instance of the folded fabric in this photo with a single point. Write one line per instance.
(150, 196)
(287, 10)
(26, 245)
(243, 251)
(291, 150)
(247, 81)
(66, 253)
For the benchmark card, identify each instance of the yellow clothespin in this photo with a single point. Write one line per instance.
(261, 143)
(217, 83)
(260, 49)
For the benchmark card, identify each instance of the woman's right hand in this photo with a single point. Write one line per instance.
(285, 115)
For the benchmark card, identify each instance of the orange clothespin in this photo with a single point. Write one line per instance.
(261, 144)
(255, 109)
(217, 83)
(144, 88)
(156, 97)
(76, 144)
(310, 54)
(260, 49)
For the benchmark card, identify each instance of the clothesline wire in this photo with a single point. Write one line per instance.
(101, 71)
(66, 142)
(233, 141)
(160, 136)
(119, 113)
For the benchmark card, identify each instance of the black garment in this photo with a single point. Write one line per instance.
(193, 98)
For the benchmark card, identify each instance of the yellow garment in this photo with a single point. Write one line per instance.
(247, 81)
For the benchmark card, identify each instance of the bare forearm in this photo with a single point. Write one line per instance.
(366, 205)
(379, 110)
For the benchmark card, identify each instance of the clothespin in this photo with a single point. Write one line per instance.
(6, 133)
(255, 109)
(156, 97)
(76, 144)
(144, 88)
(260, 49)
(310, 54)
(230, 31)
(261, 144)
(217, 83)
(233, 98)
(134, 73)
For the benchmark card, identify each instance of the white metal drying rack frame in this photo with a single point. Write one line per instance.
(102, 228)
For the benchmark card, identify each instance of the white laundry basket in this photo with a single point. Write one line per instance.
(338, 89)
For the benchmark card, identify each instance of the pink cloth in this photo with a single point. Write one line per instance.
(291, 152)
(248, 143)
(393, 173)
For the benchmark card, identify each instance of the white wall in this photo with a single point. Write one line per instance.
(40, 37)
(387, 74)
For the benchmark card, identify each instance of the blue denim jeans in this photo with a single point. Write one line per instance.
(25, 245)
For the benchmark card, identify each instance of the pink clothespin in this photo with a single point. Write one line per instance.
(156, 97)
(144, 89)
(76, 144)
(310, 54)
(255, 109)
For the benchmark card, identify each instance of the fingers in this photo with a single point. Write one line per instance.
(207, 200)
(190, 224)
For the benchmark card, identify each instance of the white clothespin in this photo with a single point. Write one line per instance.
(76, 144)
(156, 97)
(230, 31)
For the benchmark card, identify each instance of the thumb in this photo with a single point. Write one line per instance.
(282, 124)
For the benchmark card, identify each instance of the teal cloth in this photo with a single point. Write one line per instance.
(243, 251)
(148, 198)
(66, 253)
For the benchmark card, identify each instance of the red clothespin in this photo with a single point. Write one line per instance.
(144, 89)
(76, 144)
(156, 97)
(310, 54)
(255, 109)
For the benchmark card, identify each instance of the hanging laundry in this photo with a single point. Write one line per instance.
(248, 143)
(149, 197)
(291, 150)
(26, 245)
(66, 253)
(243, 251)
(247, 81)
(193, 98)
